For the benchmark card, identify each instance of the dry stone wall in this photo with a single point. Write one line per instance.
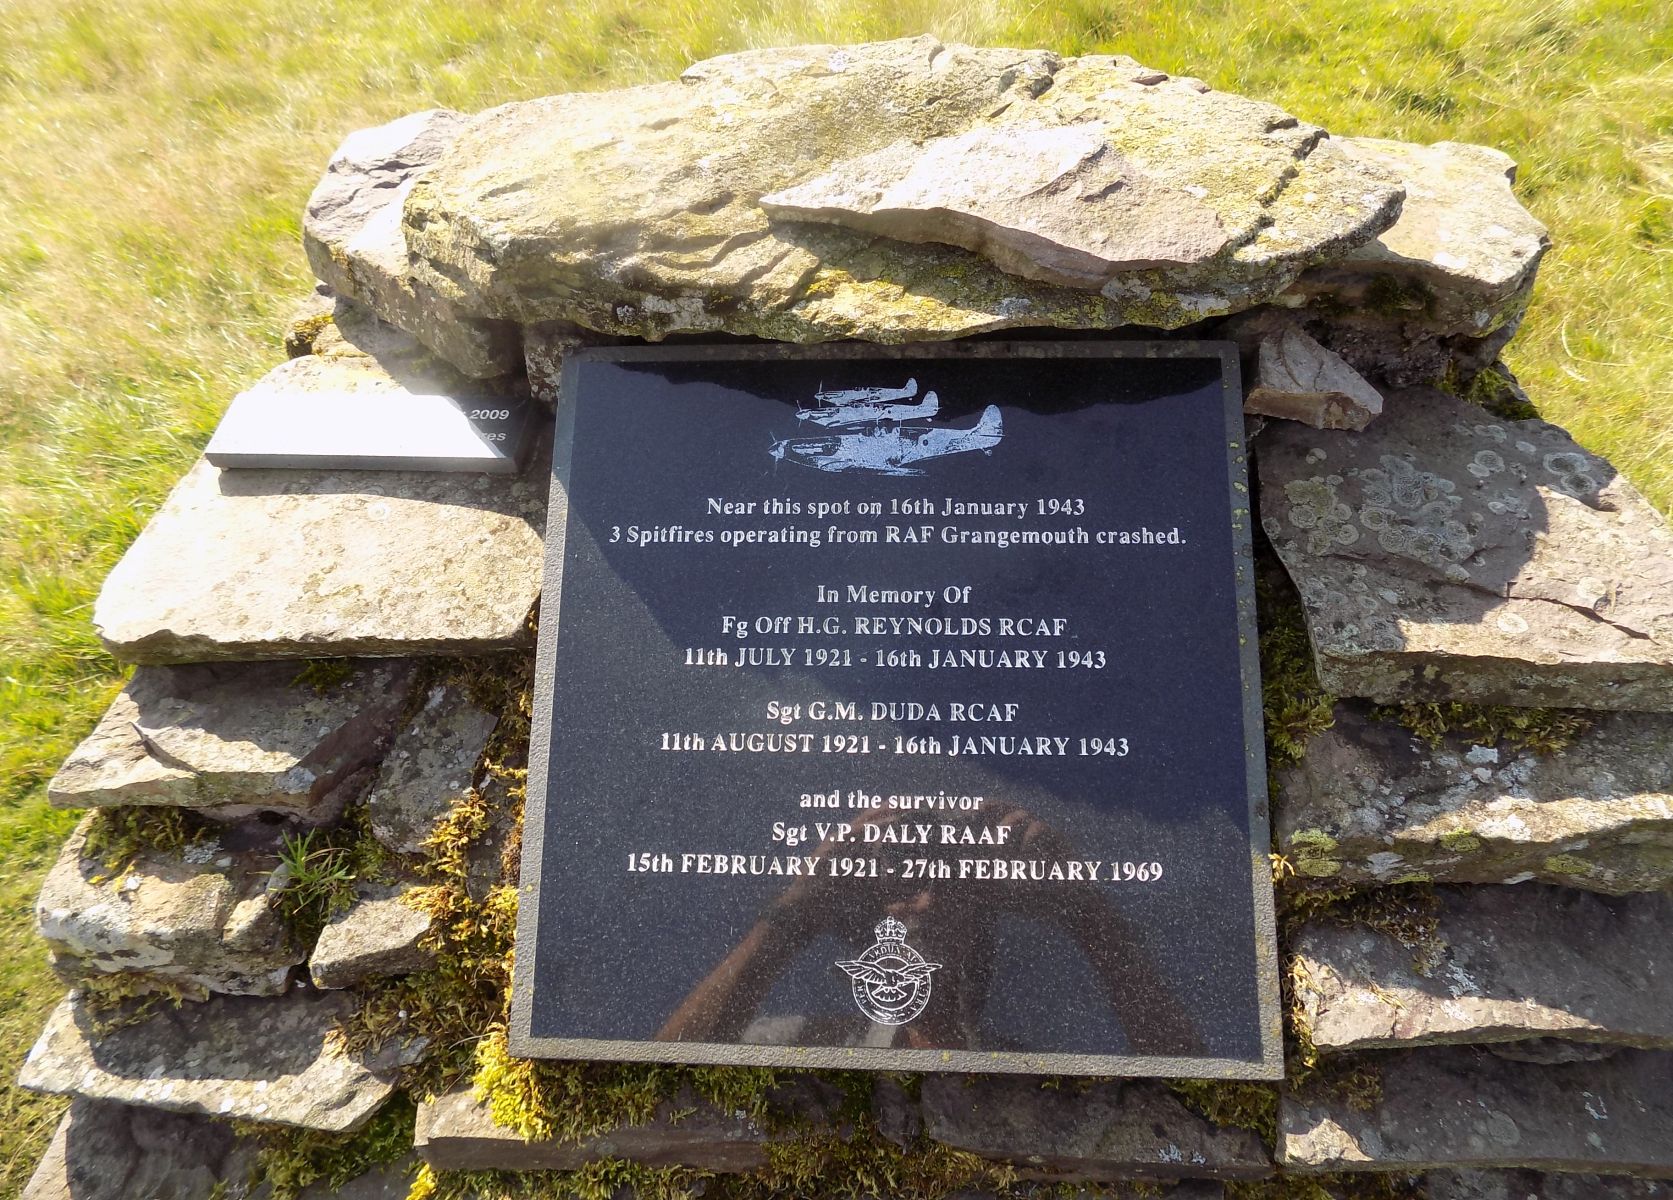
(305, 817)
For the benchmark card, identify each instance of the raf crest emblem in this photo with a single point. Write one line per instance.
(891, 980)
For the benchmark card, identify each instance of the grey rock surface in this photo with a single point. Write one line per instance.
(352, 233)
(1534, 1185)
(379, 935)
(1445, 554)
(299, 564)
(1460, 1107)
(1090, 1131)
(105, 1151)
(429, 769)
(1299, 380)
(256, 1058)
(390, 1182)
(455, 1133)
(1058, 204)
(234, 739)
(1520, 963)
(204, 917)
(637, 211)
(1369, 802)
(1553, 1051)
(1460, 260)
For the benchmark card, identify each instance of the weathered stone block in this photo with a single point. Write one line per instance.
(233, 739)
(1532, 1185)
(204, 917)
(1453, 1106)
(1094, 1131)
(429, 769)
(1059, 205)
(1460, 260)
(1522, 963)
(379, 935)
(1446, 554)
(1299, 380)
(455, 1133)
(352, 234)
(104, 1151)
(262, 1059)
(588, 207)
(299, 564)
(1369, 802)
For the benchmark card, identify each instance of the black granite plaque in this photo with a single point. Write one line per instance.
(899, 709)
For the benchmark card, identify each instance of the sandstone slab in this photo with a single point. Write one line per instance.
(390, 1182)
(104, 1151)
(636, 212)
(256, 1058)
(1299, 380)
(456, 1133)
(1058, 204)
(1085, 1131)
(1460, 260)
(1371, 803)
(429, 769)
(233, 739)
(1520, 963)
(352, 233)
(1460, 1107)
(298, 564)
(204, 917)
(1534, 1185)
(379, 935)
(1446, 554)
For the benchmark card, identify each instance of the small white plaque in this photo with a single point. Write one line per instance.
(375, 431)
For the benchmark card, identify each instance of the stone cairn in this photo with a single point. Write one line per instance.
(300, 855)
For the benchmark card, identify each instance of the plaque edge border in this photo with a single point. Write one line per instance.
(1266, 1065)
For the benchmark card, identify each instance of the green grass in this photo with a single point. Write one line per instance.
(159, 154)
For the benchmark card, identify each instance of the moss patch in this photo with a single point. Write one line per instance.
(1492, 389)
(458, 1001)
(289, 1160)
(572, 1101)
(117, 836)
(1294, 705)
(1396, 296)
(323, 674)
(1359, 1185)
(600, 1180)
(132, 997)
(1233, 1104)
(1539, 730)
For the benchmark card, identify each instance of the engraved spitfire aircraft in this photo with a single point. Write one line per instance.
(865, 406)
(888, 449)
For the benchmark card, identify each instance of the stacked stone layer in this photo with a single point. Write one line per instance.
(1517, 1047)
